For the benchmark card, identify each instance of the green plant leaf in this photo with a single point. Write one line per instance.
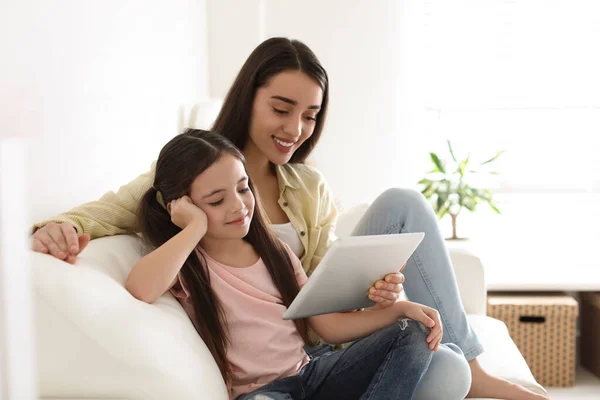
(451, 151)
(437, 162)
(470, 203)
(442, 198)
(493, 158)
(428, 191)
(474, 192)
(493, 206)
(462, 165)
(464, 192)
(446, 185)
(441, 213)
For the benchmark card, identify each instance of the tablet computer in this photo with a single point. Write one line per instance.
(349, 268)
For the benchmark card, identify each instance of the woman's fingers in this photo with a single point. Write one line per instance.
(70, 236)
(59, 240)
(47, 242)
(38, 246)
(83, 241)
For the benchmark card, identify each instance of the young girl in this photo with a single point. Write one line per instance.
(217, 255)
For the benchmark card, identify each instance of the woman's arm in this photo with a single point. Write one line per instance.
(340, 328)
(114, 213)
(327, 219)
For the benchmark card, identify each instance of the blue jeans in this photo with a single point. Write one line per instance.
(430, 280)
(388, 364)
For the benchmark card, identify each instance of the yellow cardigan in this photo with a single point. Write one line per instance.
(304, 197)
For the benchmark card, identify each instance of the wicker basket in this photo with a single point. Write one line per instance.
(590, 332)
(544, 328)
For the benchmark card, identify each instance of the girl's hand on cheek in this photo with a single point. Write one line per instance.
(185, 213)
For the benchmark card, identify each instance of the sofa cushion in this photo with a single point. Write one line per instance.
(96, 340)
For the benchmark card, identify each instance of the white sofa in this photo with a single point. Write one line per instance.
(96, 341)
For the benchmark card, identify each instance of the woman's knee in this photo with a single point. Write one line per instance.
(448, 376)
(396, 198)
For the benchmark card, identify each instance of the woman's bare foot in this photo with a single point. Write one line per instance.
(488, 386)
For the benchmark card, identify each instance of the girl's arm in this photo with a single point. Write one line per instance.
(157, 272)
(340, 328)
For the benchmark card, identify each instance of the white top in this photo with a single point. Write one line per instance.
(287, 233)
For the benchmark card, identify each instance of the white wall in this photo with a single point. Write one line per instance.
(235, 28)
(17, 348)
(371, 50)
(98, 86)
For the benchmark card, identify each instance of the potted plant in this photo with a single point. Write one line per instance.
(448, 186)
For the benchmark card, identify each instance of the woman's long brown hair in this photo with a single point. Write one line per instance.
(270, 58)
(180, 161)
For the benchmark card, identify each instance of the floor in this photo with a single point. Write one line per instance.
(587, 387)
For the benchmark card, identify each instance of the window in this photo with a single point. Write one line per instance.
(519, 75)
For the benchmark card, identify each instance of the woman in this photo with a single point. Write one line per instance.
(274, 113)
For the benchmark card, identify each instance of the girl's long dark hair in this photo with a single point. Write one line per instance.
(180, 161)
(270, 58)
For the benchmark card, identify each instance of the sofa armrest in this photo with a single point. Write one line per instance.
(470, 276)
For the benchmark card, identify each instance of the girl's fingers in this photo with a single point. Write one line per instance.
(434, 341)
(434, 315)
(426, 320)
(392, 287)
(439, 341)
(435, 332)
(395, 278)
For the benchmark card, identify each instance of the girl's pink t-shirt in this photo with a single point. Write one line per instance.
(263, 347)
